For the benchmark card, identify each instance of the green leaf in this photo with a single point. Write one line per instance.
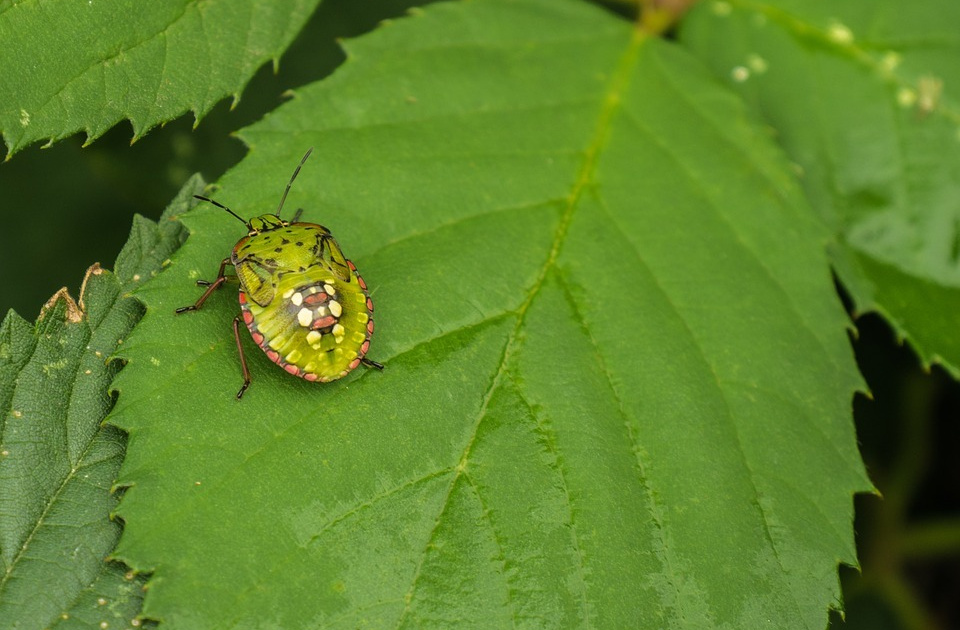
(618, 385)
(69, 66)
(859, 97)
(58, 462)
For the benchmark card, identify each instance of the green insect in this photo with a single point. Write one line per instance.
(304, 303)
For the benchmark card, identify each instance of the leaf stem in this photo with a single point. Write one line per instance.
(658, 16)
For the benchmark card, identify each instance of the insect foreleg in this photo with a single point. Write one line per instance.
(211, 287)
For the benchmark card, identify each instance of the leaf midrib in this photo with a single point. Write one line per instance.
(609, 106)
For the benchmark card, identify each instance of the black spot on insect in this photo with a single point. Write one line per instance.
(299, 243)
(278, 250)
(302, 269)
(284, 241)
(271, 261)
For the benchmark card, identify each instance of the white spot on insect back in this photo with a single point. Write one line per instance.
(297, 299)
(287, 294)
(338, 332)
(314, 338)
(329, 289)
(305, 317)
(335, 309)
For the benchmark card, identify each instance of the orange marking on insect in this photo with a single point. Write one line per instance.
(365, 347)
(354, 363)
(315, 298)
(369, 305)
(370, 327)
(257, 337)
(247, 318)
(292, 369)
(323, 322)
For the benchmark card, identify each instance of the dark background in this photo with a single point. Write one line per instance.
(66, 207)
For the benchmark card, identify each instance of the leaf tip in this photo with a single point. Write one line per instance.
(91, 136)
(73, 315)
(94, 270)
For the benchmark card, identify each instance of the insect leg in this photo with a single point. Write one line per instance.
(243, 359)
(371, 363)
(211, 287)
(296, 215)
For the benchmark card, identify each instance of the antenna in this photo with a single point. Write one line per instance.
(220, 205)
(290, 183)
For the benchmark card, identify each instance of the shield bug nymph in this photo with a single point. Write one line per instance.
(305, 305)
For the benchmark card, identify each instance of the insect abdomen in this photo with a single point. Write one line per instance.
(317, 326)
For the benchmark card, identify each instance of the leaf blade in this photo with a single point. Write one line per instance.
(534, 296)
(856, 97)
(72, 66)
